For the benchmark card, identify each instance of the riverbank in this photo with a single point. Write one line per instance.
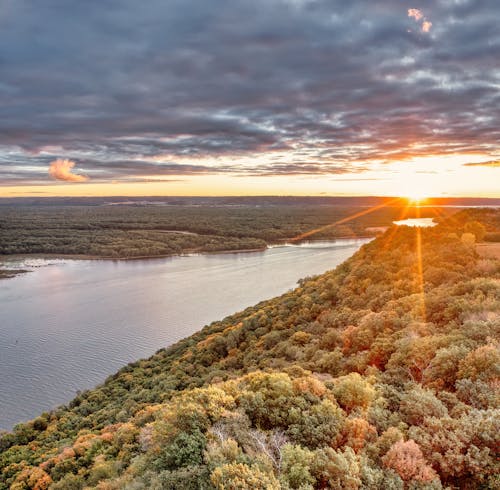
(10, 273)
(5, 259)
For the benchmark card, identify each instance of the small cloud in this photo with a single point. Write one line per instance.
(416, 14)
(60, 169)
(426, 26)
(491, 163)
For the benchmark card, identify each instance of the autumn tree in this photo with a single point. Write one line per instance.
(477, 229)
(407, 460)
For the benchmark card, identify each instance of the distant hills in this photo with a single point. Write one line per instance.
(242, 201)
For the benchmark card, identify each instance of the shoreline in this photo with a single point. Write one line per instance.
(10, 273)
(6, 258)
(283, 242)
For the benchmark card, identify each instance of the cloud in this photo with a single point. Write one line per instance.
(418, 15)
(415, 13)
(491, 163)
(264, 87)
(62, 170)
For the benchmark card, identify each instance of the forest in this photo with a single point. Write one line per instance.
(137, 231)
(381, 374)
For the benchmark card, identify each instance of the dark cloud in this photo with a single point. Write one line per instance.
(317, 86)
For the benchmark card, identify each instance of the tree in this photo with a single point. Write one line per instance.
(338, 470)
(353, 391)
(442, 370)
(418, 404)
(32, 478)
(468, 239)
(481, 364)
(357, 432)
(318, 426)
(477, 229)
(295, 470)
(407, 460)
(239, 476)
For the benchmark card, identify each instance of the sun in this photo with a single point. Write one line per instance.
(415, 197)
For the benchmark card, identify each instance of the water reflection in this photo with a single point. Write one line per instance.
(66, 326)
(420, 222)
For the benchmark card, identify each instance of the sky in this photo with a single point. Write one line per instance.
(232, 97)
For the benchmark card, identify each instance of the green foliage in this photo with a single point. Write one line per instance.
(337, 469)
(352, 391)
(144, 231)
(239, 476)
(418, 404)
(371, 376)
(295, 470)
(185, 450)
(317, 426)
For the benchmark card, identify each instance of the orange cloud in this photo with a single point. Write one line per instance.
(416, 14)
(426, 26)
(61, 169)
(491, 163)
(419, 16)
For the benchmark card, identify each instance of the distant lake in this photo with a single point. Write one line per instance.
(422, 222)
(69, 324)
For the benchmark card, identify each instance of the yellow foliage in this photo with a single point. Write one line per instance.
(468, 239)
(353, 391)
(238, 476)
(32, 478)
(482, 363)
(307, 384)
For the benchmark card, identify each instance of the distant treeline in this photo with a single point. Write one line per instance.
(344, 201)
(134, 231)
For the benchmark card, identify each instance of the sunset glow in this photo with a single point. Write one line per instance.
(284, 215)
(416, 198)
(279, 98)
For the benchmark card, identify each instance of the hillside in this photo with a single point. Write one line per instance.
(381, 374)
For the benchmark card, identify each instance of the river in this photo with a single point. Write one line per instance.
(69, 324)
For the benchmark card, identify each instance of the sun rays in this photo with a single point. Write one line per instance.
(351, 217)
(410, 206)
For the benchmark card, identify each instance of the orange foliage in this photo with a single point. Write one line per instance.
(309, 385)
(407, 460)
(33, 478)
(347, 338)
(107, 437)
(357, 432)
(83, 443)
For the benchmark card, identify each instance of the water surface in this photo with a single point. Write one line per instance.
(67, 325)
(421, 222)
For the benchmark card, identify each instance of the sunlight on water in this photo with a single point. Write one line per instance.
(421, 222)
